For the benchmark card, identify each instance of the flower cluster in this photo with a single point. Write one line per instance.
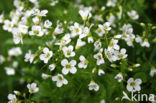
(16, 97)
(98, 44)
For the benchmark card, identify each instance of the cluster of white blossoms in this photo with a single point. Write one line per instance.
(19, 24)
(13, 52)
(114, 53)
(103, 29)
(63, 52)
(128, 36)
(16, 96)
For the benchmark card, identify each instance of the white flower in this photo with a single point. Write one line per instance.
(15, 64)
(99, 58)
(46, 55)
(93, 86)
(106, 26)
(117, 36)
(122, 54)
(97, 45)
(47, 24)
(138, 39)
(19, 4)
(103, 29)
(100, 31)
(111, 54)
(36, 20)
(1, 18)
(9, 71)
(64, 40)
(12, 98)
(127, 34)
(59, 29)
(113, 44)
(83, 62)
(8, 25)
(15, 16)
(54, 2)
(17, 92)
(33, 1)
(145, 43)
(45, 76)
(68, 51)
(1, 59)
(36, 30)
(68, 66)
(134, 85)
(17, 36)
(52, 67)
(43, 13)
(111, 18)
(119, 77)
(37, 12)
(100, 72)
(136, 65)
(75, 30)
(133, 14)
(85, 32)
(102, 101)
(126, 29)
(79, 44)
(60, 80)
(23, 28)
(98, 18)
(111, 3)
(85, 13)
(15, 51)
(32, 88)
(152, 72)
(90, 39)
(29, 57)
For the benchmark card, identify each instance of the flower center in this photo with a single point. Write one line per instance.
(48, 55)
(99, 30)
(132, 84)
(60, 78)
(68, 66)
(99, 57)
(77, 30)
(111, 44)
(120, 55)
(36, 32)
(68, 52)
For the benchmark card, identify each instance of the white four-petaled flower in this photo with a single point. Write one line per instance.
(47, 54)
(29, 57)
(32, 88)
(36, 30)
(119, 77)
(93, 86)
(60, 80)
(68, 51)
(83, 62)
(99, 58)
(68, 66)
(134, 85)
